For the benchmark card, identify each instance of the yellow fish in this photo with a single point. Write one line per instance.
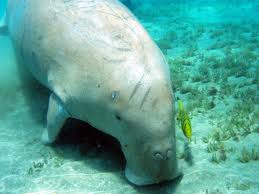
(184, 118)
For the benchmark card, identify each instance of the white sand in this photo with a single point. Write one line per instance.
(64, 170)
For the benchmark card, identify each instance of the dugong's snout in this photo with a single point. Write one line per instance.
(153, 167)
(162, 149)
(152, 163)
(164, 154)
(151, 145)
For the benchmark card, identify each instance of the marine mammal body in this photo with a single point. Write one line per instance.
(102, 68)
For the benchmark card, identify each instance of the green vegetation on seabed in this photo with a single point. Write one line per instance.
(246, 156)
(224, 71)
(215, 71)
(48, 159)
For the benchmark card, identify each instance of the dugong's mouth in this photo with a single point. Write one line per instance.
(138, 180)
(141, 180)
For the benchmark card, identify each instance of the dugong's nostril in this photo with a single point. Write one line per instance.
(158, 156)
(163, 155)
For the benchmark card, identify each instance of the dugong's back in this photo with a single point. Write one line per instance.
(54, 35)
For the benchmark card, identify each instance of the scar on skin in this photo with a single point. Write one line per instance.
(136, 87)
(145, 97)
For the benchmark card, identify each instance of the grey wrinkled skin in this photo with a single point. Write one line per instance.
(102, 68)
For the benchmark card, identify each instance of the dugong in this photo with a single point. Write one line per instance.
(103, 68)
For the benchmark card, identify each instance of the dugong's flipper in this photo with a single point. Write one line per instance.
(56, 118)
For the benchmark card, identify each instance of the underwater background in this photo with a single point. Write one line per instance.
(212, 48)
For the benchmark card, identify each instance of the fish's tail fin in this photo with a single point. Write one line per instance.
(3, 25)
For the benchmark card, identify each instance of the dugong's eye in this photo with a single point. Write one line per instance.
(118, 117)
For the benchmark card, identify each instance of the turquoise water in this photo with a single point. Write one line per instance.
(212, 48)
(2, 7)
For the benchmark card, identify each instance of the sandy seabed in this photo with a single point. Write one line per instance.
(213, 55)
